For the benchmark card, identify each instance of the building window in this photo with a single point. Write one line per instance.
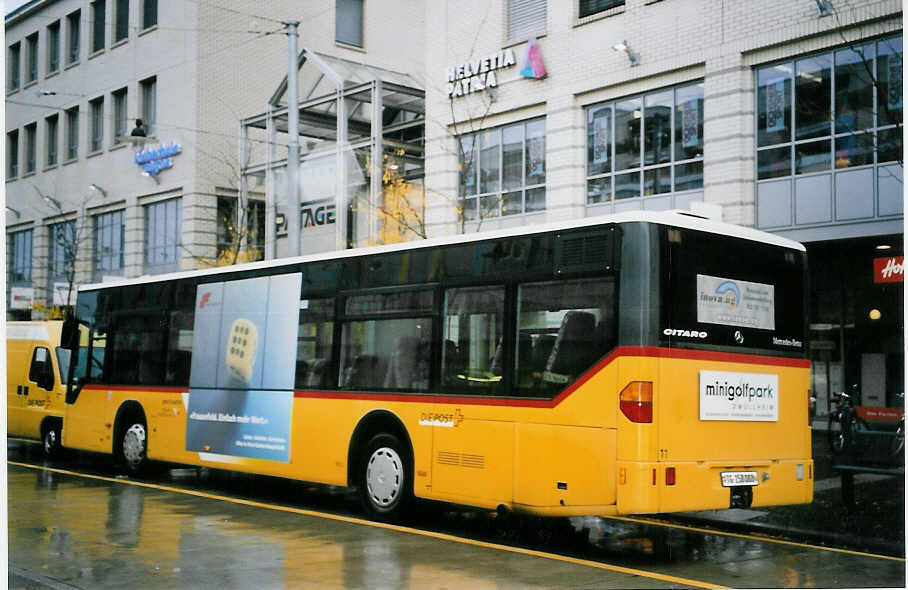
(834, 110)
(119, 115)
(121, 25)
(12, 153)
(53, 47)
(12, 67)
(31, 58)
(72, 133)
(591, 7)
(20, 254)
(349, 22)
(98, 10)
(109, 237)
(252, 222)
(502, 171)
(73, 22)
(62, 251)
(31, 132)
(149, 103)
(163, 228)
(645, 145)
(526, 18)
(149, 13)
(96, 139)
(51, 124)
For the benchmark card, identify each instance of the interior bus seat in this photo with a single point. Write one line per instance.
(575, 347)
(405, 370)
(302, 373)
(318, 373)
(524, 360)
(367, 371)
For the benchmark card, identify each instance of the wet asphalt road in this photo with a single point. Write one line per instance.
(89, 528)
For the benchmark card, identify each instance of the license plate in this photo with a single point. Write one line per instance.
(739, 478)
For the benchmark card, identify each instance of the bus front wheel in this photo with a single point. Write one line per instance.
(134, 446)
(385, 484)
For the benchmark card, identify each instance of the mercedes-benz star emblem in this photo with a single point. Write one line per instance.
(739, 337)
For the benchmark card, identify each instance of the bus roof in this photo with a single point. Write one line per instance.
(682, 219)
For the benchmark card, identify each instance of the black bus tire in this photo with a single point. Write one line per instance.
(133, 446)
(386, 478)
(50, 438)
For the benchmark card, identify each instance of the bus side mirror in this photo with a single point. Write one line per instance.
(69, 338)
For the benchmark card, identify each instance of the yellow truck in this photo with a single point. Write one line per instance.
(36, 371)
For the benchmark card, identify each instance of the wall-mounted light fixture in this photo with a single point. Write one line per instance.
(96, 188)
(154, 177)
(623, 47)
(14, 211)
(280, 221)
(824, 7)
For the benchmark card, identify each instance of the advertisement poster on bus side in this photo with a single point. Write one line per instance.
(732, 302)
(243, 367)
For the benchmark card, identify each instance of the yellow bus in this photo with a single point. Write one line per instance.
(636, 363)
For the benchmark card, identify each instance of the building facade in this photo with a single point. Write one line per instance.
(785, 116)
(87, 200)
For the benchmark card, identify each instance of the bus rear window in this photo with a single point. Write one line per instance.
(733, 294)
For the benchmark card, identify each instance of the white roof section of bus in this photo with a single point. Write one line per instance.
(680, 219)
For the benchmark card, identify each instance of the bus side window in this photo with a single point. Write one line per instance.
(382, 352)
(472, 358)
(571, 326)
(315, 344)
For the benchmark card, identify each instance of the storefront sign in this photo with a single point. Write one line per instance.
(314, 214)
(889, 270)
(21, 297)
(153, 161)
(478, 74)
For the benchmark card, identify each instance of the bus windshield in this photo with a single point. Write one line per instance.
(720, 292)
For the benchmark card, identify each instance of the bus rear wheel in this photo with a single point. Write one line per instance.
(134, 447)
(385, 484)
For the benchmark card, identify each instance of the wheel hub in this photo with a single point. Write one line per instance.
(134, 444)
(384, 476)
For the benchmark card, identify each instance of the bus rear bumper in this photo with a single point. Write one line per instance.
(648, 487)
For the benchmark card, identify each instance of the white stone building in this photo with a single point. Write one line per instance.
(78, 74)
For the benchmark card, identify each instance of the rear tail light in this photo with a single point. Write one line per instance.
(636, 401)
(669, 476)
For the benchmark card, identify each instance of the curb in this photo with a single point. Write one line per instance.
(826, 539)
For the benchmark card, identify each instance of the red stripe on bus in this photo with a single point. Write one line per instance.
(638, 351)
(623, 351)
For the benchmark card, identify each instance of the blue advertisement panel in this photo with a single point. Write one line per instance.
(243, 367)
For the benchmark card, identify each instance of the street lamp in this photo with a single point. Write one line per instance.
(52, 201)
(96, 188)
(623, 47)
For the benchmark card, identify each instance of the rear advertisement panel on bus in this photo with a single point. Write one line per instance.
(243, 365)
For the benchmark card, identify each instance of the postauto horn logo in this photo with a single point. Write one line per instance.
(729, 293)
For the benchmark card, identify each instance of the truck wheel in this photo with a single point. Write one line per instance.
(134, 446)
(51, 440)
(386, 481)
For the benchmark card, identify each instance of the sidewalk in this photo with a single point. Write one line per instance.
(876, 524)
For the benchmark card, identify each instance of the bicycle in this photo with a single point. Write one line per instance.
(842, 423)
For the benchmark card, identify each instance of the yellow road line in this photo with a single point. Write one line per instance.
(684, 527)
(392, 527)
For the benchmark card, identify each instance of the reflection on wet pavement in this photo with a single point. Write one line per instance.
(93, 533)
